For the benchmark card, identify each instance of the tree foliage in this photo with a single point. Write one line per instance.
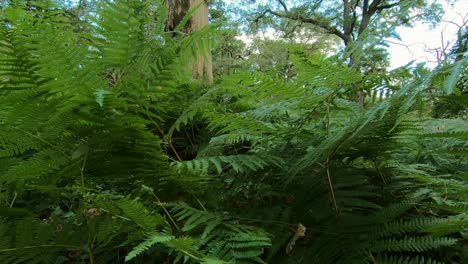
(362, 26)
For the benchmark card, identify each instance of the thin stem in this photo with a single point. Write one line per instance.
(165, 210)
(14, 199)
(199, 202)
(118, 216)
(90, 248)
(190, 255)
(328, 164)
(330, 184)
(38, 246)
(328, 120)
(308, 117)
(372, 258)
(379, 172)
(168, 140)
(82, 168)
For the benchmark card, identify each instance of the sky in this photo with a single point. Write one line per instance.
(416, 42)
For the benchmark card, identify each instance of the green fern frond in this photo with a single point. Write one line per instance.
(385, 259)
(239, 163)
(35, 168)
(452, 225)
(413, 244)
(145, 245)
(395, 210)
(221, 239)
(462, 135)
(412, 225)
(138, 213)
(29, 241)
(211, 260)
(118, 35)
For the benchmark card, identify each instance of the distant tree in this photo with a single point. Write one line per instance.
(461, 45)
(238, 50)
(229, 52)
(454, 105)
(360, 24)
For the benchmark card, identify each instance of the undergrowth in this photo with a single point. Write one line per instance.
(111, 153)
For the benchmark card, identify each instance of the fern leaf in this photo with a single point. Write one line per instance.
(145, 245)
(413, 244)
(385, 259)
(137, 212)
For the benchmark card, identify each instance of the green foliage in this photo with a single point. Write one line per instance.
(355, 176)
(26, 241)
(144, 246)
(108, 147)
(218, 237)
(76, 113)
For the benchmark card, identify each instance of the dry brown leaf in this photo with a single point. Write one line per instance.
(93, 213)
(300, 232)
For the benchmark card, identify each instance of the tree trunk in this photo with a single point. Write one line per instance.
(202, 68)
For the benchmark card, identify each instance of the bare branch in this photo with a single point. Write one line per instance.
(407, 46)
(459, 26)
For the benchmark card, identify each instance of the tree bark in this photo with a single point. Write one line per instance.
(202, 68)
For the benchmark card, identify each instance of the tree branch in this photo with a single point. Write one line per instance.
(365, 6)
(283, 5)
(373, 6)
(316, 22)
(347, 23)
(370, 10)
(387, 6)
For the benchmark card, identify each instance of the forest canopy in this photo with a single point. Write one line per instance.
(151, 131)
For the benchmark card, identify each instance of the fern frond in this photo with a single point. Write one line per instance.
(462, 135)
(385, 259)
(34, 242)
(118, 35)
(137, 212)
(145, 245)
(239, 163)
(412, 225)
(413, 244)
(224, 240)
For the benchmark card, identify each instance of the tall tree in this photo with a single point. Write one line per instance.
(178, 9)
(355, 22)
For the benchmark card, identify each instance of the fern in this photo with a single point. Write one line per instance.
(76, 112)
(239, 163)
(407, 260)
(144, 246)
(136, 212)
(414, 244)
(28, 241)
(219, 238)
(91, 110)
